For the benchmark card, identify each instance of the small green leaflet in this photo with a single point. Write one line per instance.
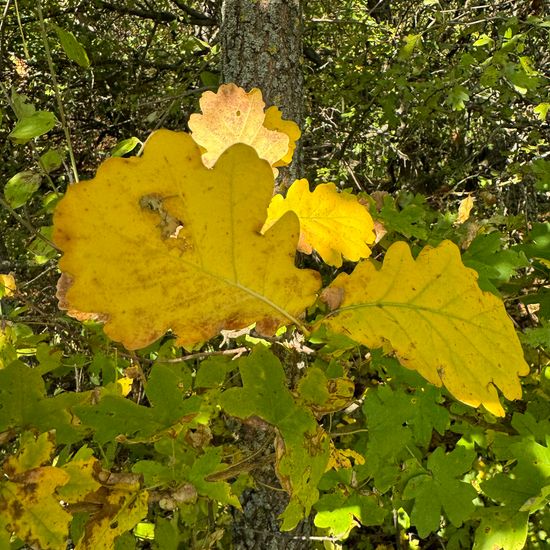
(125, 146)
(21, 187)
(72, 47)
(32, 126)
(439, 489)
(457, 98)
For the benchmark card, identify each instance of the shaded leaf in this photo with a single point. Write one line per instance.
(51, 160)
(30, 508)
(82, 480)
(440, 490)
(334, 224)
(303, 451)
(437, 320)
(493, 264)
(206, 464)
(171, 244)
(33, 453)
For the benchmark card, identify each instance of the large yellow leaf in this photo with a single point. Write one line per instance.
(437, 320)
(161, 241)
(233, 116)
(334, 224)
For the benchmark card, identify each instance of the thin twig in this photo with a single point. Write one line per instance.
(56, 91)
(202, 354)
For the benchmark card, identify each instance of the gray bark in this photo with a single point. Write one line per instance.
(261, 42)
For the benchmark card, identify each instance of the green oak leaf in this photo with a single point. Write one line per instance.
(204, 465)
(494, 265)
(306, 450)
(525, 487)
(439, 489)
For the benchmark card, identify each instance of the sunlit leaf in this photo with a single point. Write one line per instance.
(120, 509)
(125, 146)
(167, 243)
(274, 121)
(233, 116)
(340, 514)
(21, 187)
(31, 126)
(437, 320)
(7, 285)
(541, 110)
(464, 209)
(72, 47)
(334, 224)
(501, 527)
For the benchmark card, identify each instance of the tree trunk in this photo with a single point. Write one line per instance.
(261, 43)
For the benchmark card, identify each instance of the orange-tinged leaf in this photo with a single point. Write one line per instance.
(464, 209)
(437, 320)
(233, 116)
(161, 241)
(332, 223)
(29, 508)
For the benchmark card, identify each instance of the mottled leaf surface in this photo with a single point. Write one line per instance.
(165, 242)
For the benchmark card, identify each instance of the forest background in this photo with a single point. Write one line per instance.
(435, 114)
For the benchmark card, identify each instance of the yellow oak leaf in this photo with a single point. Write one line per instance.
(233, 116)
(274, 121)
(29, 508)
(161, 242)
(332, 223)
(437, 320)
